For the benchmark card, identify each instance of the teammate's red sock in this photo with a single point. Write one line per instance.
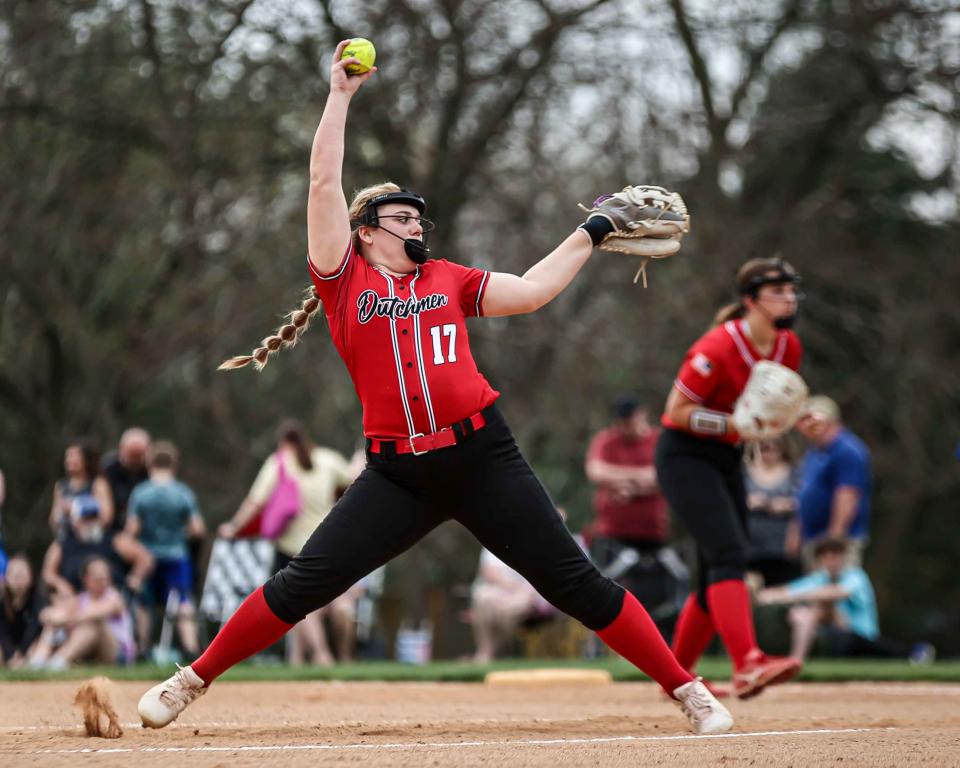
(732, 615)
(635, 637)
(693, 634)
(252, 628)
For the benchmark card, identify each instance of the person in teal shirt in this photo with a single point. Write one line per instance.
(163, 514)
(837, 601)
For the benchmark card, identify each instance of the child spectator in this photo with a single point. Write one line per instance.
(163, 513)
(20, 606)
(838, 600)
(95, 626)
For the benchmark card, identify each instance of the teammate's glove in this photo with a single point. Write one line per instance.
(647, 221)
(771, 402)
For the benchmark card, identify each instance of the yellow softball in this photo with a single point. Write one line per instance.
(361, 49)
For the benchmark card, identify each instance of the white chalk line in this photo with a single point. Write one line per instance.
(446, 744)
(138, 724)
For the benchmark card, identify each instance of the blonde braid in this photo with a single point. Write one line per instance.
(287, 335)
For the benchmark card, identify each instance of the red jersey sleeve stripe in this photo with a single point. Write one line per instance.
(338, 271)
(480, 292)
(688, 392)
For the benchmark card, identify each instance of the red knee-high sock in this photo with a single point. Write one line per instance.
(693, 634)
(732, 615)
(635, 637)
(252, 628)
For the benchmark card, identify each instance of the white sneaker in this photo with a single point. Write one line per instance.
(705, 713)
(163, 703)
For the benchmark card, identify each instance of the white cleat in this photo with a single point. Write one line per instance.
(705, 713)
(163, 703)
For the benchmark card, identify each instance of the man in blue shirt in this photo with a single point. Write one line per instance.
(838, 600)
(834, 496)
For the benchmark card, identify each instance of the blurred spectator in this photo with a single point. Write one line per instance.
(341, 615)
(772, 480)
(82, 481)
(838, 600)
(500, 601)
(834, 497)
(163, 514)
(3, 552)
(318, 473)
(631, 524)
(20, 605)
(124, 469)
(95, 626)
(84, 538)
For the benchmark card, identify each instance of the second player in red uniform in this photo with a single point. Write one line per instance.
(699, 467)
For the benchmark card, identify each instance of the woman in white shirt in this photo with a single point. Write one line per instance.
(320, 474)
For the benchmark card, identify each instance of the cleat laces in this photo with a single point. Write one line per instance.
(179, 693)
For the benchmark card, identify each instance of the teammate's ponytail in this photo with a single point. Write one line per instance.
(733, 311)
(287, 335)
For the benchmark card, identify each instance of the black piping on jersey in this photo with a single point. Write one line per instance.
(427, 401)
(483, 282)
(396, 357)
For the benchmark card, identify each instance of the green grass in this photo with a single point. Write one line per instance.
(817, 670)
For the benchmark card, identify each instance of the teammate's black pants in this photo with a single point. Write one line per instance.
(702, 481)
(484, 484)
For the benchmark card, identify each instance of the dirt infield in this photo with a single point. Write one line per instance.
(402, 724)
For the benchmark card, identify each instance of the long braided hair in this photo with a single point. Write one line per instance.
(297, 321)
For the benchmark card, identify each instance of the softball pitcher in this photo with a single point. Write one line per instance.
(437, 446)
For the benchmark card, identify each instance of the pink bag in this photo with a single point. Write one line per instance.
(283, 505)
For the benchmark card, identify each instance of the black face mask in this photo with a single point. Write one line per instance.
(416, 250)
(785, 323)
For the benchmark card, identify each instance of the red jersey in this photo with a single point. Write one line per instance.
(404, 341)
(641, 517)
(717, 367)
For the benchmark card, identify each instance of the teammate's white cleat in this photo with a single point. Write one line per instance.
(163, 703)
(705, 713)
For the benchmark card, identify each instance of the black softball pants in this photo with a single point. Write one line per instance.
(702, 481)
(485, 484)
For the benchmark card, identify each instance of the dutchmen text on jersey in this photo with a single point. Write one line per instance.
(404, 341)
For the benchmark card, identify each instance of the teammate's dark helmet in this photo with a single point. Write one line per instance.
(757, 273)
(775, 270)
